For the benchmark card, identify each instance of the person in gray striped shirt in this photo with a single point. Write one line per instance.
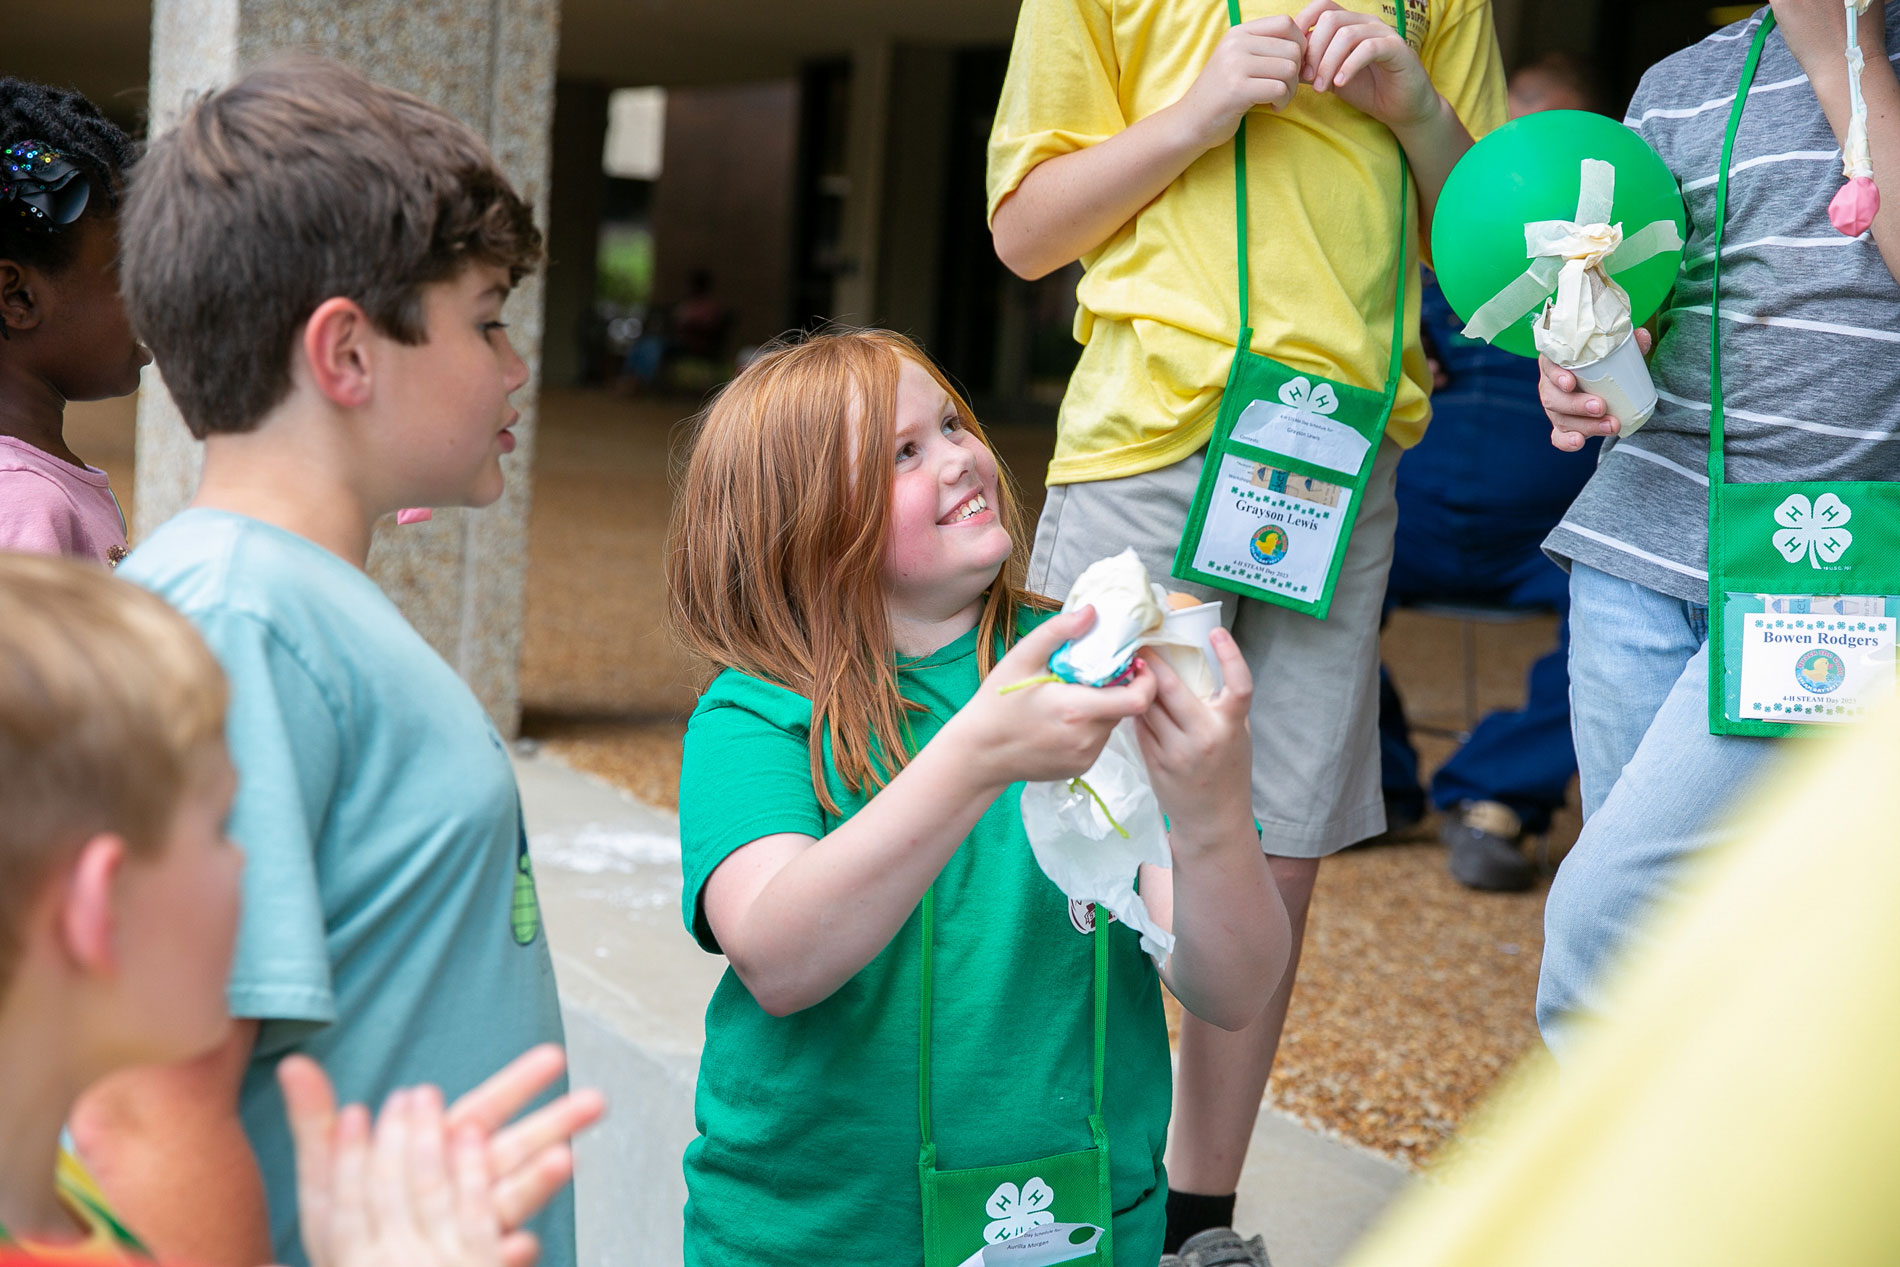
(1811, 358)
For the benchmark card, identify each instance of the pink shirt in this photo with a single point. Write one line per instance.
(52, 507)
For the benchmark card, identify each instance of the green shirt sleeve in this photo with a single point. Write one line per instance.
(745, 773)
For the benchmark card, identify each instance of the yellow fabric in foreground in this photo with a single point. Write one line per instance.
(1159, 304)
(1740, 1108)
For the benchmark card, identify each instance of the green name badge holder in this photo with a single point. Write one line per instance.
(1803, 608)
(1037, 1213)
(1291, 453)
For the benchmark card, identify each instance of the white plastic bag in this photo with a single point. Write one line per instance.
(1091, 835)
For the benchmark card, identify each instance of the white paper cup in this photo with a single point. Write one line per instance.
(1622, 380)
(1194, 623)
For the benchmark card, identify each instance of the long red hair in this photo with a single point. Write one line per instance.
(774, 559)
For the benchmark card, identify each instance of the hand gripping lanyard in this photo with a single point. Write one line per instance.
(1291, 453)
(1802, 610)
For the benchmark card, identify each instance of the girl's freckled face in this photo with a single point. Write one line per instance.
(947, 537)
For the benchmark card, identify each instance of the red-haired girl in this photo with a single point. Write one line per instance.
(922, 1049)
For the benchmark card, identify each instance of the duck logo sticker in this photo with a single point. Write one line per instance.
(1269, 545)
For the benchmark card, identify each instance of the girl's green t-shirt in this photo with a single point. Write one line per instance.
(808, 1124)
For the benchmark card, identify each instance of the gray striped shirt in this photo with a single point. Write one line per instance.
(1810, 320)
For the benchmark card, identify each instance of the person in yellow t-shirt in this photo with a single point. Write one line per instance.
(1113, 145)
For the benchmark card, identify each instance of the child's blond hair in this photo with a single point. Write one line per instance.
(774, 566)
(109, 702)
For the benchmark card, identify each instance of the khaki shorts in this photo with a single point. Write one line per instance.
(1315, 716)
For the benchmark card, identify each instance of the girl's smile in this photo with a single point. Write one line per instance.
(947, 540)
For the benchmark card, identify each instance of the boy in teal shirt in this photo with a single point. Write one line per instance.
(319, 265)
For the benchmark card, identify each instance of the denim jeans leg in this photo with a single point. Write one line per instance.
(1628, 645)
(1669, 804)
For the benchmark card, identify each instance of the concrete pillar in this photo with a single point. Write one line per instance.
(491, 64)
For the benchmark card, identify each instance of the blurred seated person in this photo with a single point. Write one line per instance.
(693, 331)
(1476, 498)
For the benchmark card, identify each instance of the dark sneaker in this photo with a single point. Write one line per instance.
(1222, 1247)
(1483, 840)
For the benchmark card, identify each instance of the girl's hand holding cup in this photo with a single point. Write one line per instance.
(1044, 730)
(1200, 755)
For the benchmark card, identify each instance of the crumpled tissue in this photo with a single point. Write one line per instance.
(1589, 316)
(1091, 835)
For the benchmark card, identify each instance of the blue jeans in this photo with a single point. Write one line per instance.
(1655, 782)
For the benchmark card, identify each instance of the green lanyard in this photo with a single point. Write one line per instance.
(1716, 414)
(1060, 1207)
(1396, 368)
(925, 994)
(1803, 609)
(1291, 453)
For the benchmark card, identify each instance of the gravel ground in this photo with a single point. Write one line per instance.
(1414, 994)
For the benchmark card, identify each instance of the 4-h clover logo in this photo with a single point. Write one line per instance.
(1016, 1212)
(1814, 530)
(1303, 395)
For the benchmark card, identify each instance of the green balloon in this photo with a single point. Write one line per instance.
(1532, 169)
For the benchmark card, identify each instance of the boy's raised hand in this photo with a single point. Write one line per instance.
(530, 1159)
(527, 1161)
(1022, 729)
(1367, 63)
(1575, 415)
(1255, 64)
(1200, 755)
(409, 1192)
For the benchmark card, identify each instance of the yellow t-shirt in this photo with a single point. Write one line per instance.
(1159, 300)
(1738, 1105)
(105, 1239)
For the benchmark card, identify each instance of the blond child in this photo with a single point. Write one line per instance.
(119, 901)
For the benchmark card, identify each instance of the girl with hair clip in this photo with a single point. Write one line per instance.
(63, 331)
(921, 1052)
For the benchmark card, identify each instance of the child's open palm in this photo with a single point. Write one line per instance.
(521, 1163)
(1367, 63)
(407, 1192)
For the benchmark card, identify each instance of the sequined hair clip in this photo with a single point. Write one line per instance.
(41, 187)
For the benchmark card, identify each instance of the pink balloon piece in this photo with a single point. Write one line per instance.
(415, 515)
(1855, 206)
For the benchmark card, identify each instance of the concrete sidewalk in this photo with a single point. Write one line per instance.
(634, 989)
